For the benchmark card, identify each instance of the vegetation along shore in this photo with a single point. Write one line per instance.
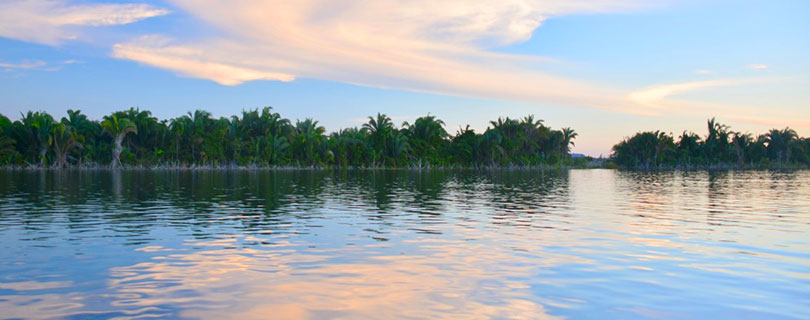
(263, 139)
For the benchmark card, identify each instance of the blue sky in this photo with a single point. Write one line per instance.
(606, 68)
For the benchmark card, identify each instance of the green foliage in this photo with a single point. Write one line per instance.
(263, 138)
(8, 152)
(720, 148)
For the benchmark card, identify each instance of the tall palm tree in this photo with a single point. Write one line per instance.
(87, 129)
(197, 126)
(309, 137)
(716, 145)
(150, 133)
(663, 144)
(118, 129)
(65, 139)
(741, 142)
(689, 145)
(40, 125)
(233, 140)
(568, 140)
(379, 128)
(177, 126)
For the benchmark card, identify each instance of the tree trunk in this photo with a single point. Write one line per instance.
(42, 153)
(59, 155)
(117, 151)
(61, 160)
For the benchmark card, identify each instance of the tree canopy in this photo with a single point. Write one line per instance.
(721, 147)
(263, 138)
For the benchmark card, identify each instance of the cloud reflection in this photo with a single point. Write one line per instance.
(228, 280)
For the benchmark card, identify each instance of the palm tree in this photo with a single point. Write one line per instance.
(233, 140)
(568, 140)
(118, 129)
(203, 134)
(309, 136)
(688, 148)
(347, 146)
(380, 129)
(529, 120)
(426, 128)
(716, 145)
(491, 146)
(397, 147)
(85, 128)
(151, 133)
(664, 144)
(65, 139)
(645, 150)
(40, 125)
(426, 136)
(780, 143)
(177, 126)
(741, 142)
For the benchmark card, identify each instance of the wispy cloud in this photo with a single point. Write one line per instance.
(757, 66)
(663, 99)
(445, 47)
(656, 97)
(50, 22)
(425, 46)
(35, 65)
(25, 64)
(192, 63)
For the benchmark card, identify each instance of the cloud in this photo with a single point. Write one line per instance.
(757, 66)
(51, 22)
(25, 64)
(655, 97)
(661, 99)
(425, 46)
(192, 63)
(444, 47)
(37, 65)
(704, 72)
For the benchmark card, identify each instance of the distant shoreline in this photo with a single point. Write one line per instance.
(602, 165)
(263, 140)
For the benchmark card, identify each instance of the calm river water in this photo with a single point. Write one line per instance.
(595, 244)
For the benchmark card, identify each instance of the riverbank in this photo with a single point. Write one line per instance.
(293, 168)
(589, 165)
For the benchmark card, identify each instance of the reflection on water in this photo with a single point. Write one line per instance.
(399, 244)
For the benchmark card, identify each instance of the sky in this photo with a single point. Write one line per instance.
(607, 68)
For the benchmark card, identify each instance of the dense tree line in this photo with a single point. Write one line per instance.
(263, 138)
(721, 147)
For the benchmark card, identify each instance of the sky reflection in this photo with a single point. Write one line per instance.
(399, 244)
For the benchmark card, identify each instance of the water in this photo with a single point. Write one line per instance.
(596, 244)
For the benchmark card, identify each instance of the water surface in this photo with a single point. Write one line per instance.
(596, 244)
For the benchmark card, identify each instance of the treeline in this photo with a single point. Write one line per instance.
(721, 148)
(262, 138)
